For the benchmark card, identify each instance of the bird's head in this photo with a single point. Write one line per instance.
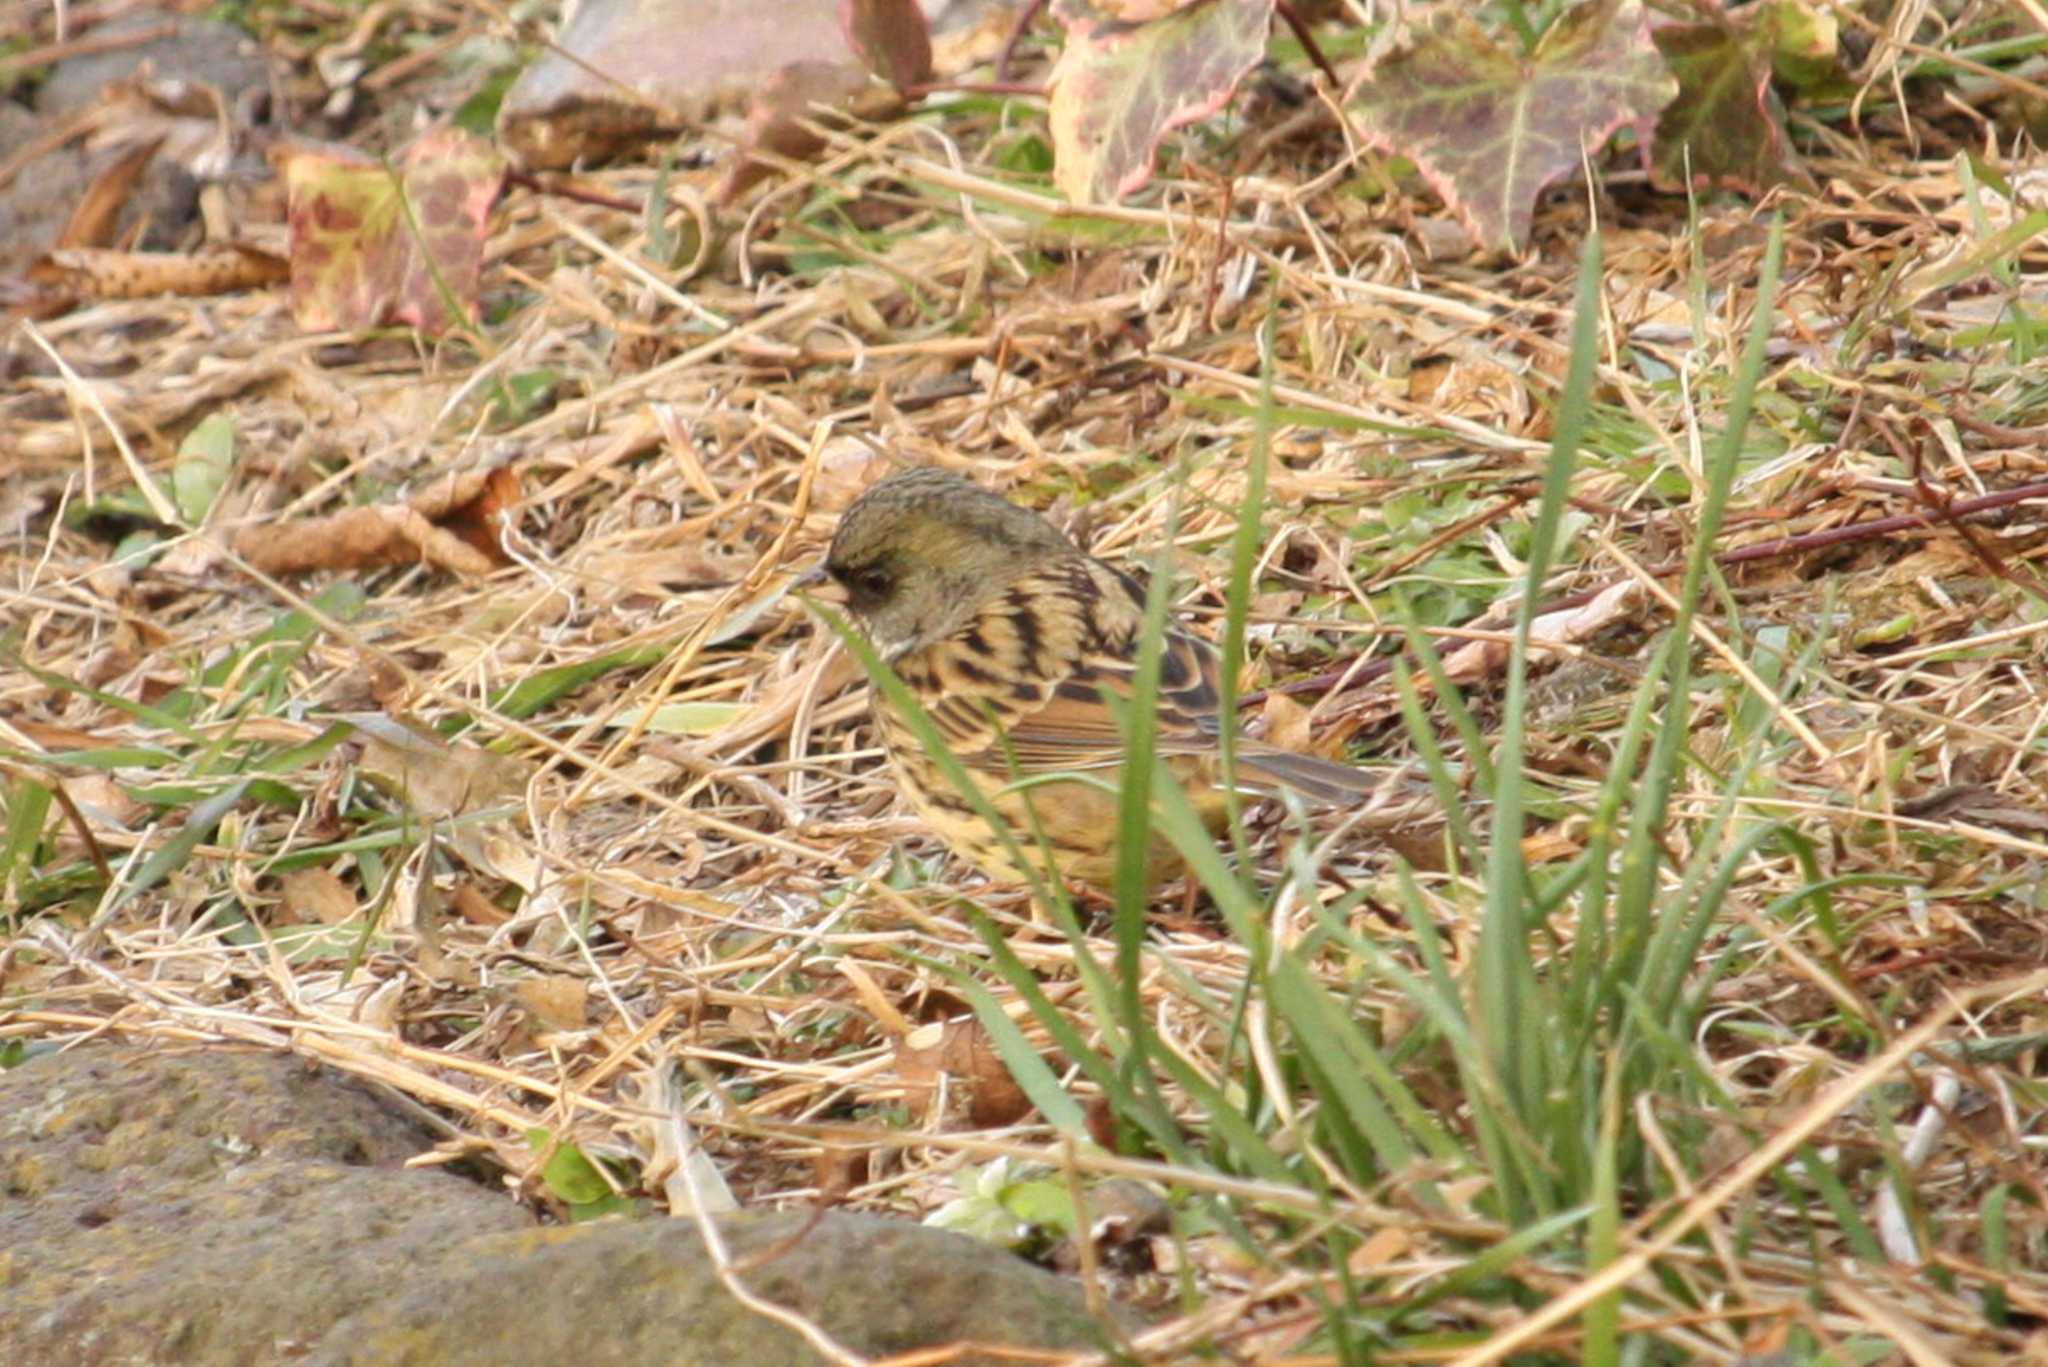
(920, 551)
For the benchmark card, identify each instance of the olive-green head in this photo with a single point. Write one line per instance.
(921, 551)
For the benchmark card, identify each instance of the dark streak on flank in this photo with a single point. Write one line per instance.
(971, 669)
(1023, 620)
(1174, 673)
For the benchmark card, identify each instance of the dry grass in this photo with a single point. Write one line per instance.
(527, 916)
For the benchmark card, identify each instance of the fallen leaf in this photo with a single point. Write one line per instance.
(316, 896)
(783, 110)
(95, 217)
(453, 524)
(103, 273)
(557, 1000)
(1123, 83)
(624, 71)
(959, 1052)
(373, 244)
(1490, 127)
(891, 38)
(434, 776)
(469, 902)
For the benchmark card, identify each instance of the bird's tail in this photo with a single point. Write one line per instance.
(1401, 792)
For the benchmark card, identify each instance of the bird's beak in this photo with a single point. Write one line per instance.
(815, 582)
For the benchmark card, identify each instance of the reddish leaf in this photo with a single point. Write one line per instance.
(1727, 124)
(627, 69)
(891, 38)
(787, 103)
(1122, 84)
(1490, 127)
(371, 246)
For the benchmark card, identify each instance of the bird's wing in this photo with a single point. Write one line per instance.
(1024, 681)
(1020, 690)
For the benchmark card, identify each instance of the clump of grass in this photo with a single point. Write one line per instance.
(1546, 1107)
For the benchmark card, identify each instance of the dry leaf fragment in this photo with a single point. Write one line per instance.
(103, 273)
(557, 1000)
(317, 896)
(434, 776)
(960, 1050)
(453, 524)
(469, 902)
(439, 780)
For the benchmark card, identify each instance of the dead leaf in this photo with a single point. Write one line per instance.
(373, 244)
(434, 776)
(453, 524)
(783, 111)
(102, 273)
(836, 1172)
(891, 37)
(1549, 847)
(316, 896)
(471, 905)
(960, 1054)
(439, 780)
(623, 71)
(95, 217)
(557, 1000)
(1384, 1246)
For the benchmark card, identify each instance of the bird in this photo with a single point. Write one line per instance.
(1012, 638)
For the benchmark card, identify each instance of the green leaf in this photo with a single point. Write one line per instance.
(28, 810)
(169, 857)
(571, 1176)
(205, 460)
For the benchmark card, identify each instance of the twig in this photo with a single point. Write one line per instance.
(1308, 42)
(1017, 32)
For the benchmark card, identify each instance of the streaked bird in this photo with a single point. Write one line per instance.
(1010, 637)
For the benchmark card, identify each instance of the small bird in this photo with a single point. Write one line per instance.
(1009, 636)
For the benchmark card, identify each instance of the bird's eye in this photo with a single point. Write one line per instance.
(867, 586)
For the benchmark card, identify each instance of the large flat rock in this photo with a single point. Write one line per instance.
(235, 1207)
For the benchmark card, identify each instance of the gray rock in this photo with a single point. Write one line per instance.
(179, 48)
(631, 1293)
(207, 1207)
(238, 1208)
